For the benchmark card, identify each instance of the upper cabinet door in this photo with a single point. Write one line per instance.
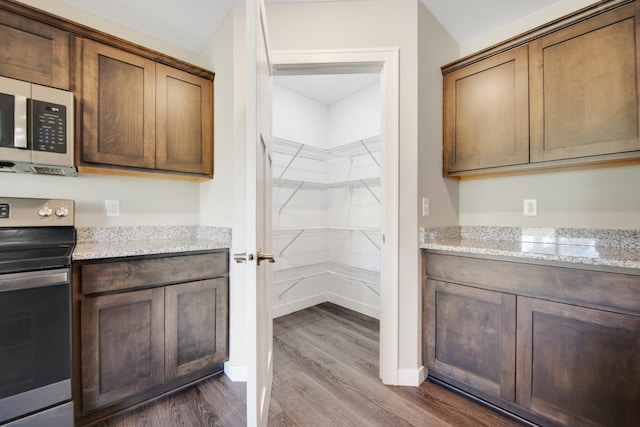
(118, 103)
(184, 122)
(584, 88)
(33, 51)
(486, 113)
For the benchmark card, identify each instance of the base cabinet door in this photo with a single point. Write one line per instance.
(123, 346)
(196, 327)
(470, 337)
(578, 366)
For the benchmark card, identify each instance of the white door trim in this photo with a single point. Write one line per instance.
(385, 60)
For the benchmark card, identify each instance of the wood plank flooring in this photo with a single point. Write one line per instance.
(325, 374)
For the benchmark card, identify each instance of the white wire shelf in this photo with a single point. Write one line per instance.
(327, 228)
(366, 232)
(369, 278)
(309, 185)
(352, 149)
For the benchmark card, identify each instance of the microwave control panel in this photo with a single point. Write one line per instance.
(48, 127)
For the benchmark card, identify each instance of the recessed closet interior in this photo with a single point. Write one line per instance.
(326, 192)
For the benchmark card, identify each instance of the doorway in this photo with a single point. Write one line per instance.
(382, 285)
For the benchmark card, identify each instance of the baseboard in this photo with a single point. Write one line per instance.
(411, 377)
(297, 305)
(354, 305)
(235, 373)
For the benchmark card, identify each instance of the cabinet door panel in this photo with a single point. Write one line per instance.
(486, 113)
(578, 366)
(118, 94)
(34, 52)
(122, 346)
(584, 88)
(471, 337)
(196, 327)
(184, 121)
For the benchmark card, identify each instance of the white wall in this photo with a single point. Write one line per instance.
(435, 48)
(355, 117)
(299, 118)
(377, 24)
(222, 200)
(596, 198)
(142, 201)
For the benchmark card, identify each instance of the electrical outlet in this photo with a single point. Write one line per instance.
(425, 206)
(112, 207)
(530, 207)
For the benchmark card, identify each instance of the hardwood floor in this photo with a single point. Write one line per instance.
(325, 374)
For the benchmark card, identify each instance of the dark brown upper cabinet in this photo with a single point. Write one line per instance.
(141, 114)
(561, 96)
(119, 98)
(486, 113)
(33, 51)
(184, 121)
(584, 88)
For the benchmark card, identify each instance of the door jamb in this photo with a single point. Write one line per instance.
(385, 60)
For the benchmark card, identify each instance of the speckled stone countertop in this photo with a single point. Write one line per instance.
(112, 242)
(610, 248)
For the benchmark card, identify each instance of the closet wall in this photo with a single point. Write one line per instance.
(326, 201)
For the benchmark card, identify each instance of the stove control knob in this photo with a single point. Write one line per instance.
(62, 212)
(45, 212)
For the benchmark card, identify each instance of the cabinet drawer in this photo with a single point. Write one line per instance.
(120, 275)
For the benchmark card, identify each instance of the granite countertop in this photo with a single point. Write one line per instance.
(610, 248)
(112, 242)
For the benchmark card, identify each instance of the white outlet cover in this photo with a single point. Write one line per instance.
(112, 207)
(530, 207)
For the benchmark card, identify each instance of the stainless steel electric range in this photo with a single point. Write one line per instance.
(37, 238)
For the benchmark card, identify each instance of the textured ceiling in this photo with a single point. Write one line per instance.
(466, 20)
(191, 23)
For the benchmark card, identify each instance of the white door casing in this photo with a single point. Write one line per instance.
(258, 249)
(385, 61)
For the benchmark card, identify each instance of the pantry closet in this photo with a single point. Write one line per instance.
(326, 192)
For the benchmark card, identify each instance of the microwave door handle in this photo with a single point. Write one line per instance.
(20, 118)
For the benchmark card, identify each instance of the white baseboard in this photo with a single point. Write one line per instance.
(300, 304)
(411, 377)
(235, 373)
(354, 305)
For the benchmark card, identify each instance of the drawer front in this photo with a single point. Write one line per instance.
(121, 275)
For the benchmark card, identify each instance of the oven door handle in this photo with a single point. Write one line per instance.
(33, 279)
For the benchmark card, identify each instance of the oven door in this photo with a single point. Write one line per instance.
(35, 341)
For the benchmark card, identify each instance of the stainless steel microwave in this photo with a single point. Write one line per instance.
(36, 129)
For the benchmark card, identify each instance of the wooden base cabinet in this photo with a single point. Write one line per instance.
(471, 337)
(195, 327)
(124, 334)
(578, 366)
(556, 345)
(145, 326)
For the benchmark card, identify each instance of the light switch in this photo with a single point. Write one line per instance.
(425, 206)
